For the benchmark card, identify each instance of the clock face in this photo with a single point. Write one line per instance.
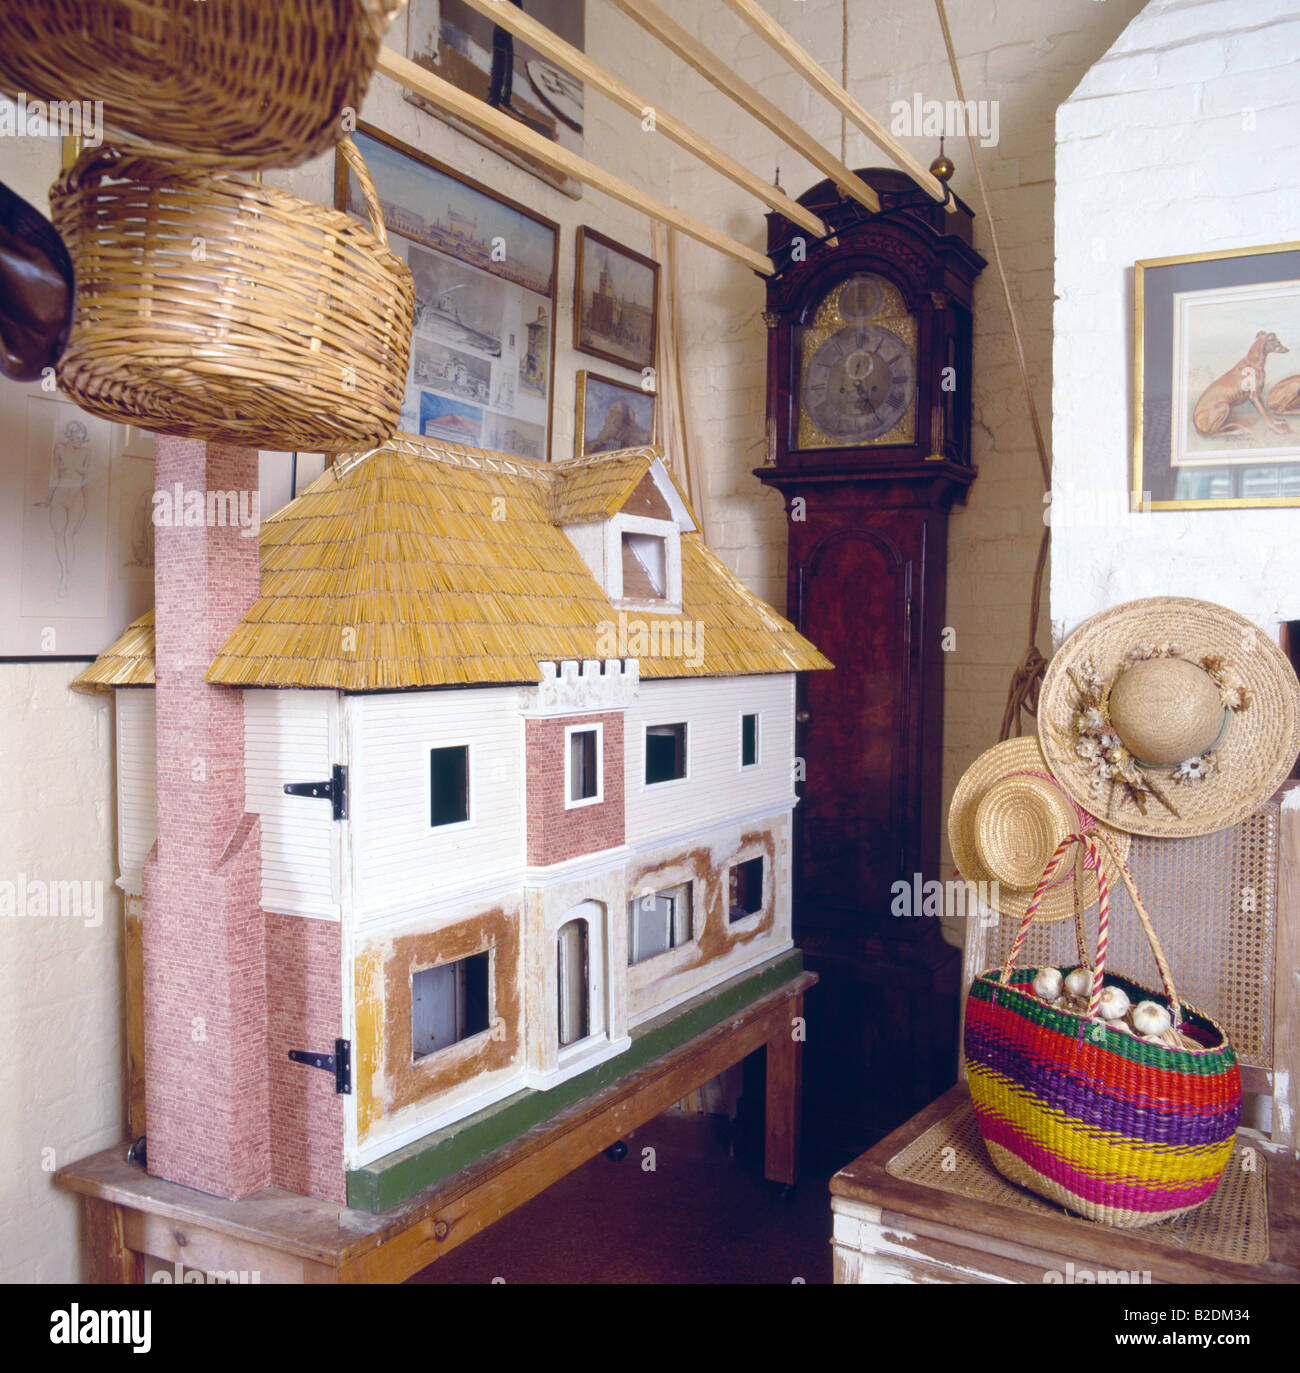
(859, 383)
(857, 368)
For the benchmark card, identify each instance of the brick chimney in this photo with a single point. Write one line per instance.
(205, 1004)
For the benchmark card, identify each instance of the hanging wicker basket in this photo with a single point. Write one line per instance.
(210, 306)
(237, 83)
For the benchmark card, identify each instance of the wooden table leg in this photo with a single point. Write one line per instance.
(784, 1082)
(108, 1260)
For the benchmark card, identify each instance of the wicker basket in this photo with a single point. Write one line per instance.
(1115, 1128)
(234, 83)
(212, 307)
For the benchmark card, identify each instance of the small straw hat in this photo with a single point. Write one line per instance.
(1007, 816)
(1170, 717)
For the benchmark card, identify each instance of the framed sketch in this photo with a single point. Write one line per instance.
(483, 349)
(76, 527)
(616, 302)
(464, 47)
(1217, 380)
(611, 415)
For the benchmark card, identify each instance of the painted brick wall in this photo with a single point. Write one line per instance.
(204, 955)
(1181, 140)
(554, 832)
(304, 1011)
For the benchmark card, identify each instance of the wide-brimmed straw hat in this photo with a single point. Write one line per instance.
(1170, 716)
(1007, 816)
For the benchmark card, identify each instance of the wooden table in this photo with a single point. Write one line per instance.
(284, 1237)
(889, 1229)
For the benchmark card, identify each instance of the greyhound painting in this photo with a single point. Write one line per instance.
(1242, 382)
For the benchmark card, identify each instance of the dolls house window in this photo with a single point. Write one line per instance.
(449, 1003)
(748, 741)
(745, 888)
(584, 779)
(645, 567)
(665, 753)
(658, 921)
(573, 976)
(449, 785)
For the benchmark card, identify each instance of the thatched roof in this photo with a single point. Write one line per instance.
(421, 565)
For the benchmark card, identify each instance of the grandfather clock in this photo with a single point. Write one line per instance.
(868, 413)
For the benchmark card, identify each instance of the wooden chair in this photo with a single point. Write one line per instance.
(927, 1205)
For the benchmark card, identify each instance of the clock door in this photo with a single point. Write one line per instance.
(854, 592)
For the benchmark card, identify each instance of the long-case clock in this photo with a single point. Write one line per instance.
(869, 401)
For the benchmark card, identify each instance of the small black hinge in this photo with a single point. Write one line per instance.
(335, 791)
(339, 1063)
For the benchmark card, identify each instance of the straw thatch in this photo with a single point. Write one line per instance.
(128, 662)
(423, 566)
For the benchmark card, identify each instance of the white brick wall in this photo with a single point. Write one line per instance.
(1168, 169)
(1028, 56)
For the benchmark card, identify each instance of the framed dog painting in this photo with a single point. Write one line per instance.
(1217, 380)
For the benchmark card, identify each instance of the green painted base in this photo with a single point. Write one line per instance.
(381, 1185)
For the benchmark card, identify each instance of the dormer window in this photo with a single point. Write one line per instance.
(635, 550)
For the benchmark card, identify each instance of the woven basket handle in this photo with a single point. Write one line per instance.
(354, 160)
(1103, 920)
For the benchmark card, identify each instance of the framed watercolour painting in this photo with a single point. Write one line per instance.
(1217, 380)
(616, 302)
(483, 350)
(454, 41)
(611, 415)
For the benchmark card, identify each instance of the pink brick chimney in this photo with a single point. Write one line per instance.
(205, 1001)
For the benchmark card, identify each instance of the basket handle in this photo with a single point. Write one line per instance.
(357, 163)
(1103, 920)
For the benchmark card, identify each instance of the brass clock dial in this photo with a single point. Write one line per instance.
(859, 383)
(857, 372)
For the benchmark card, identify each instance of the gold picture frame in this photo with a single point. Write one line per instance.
(598, 428)
(1216, 418)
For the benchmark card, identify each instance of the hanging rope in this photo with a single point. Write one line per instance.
(1025, 681)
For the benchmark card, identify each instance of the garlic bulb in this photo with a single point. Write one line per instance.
(1151, 1019)
(1113, 1003)
(1047, 984)
(1079, 982)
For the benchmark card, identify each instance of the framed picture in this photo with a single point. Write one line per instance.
(76, 527)
(483, 350)
(611, 415)
(464, 47)
(1217, 380)
(616, 302)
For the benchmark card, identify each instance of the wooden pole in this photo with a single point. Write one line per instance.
(710, 65)
(572, 59)
(821, 80)
(464, 106)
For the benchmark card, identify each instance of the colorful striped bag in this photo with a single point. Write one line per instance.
(1113, 1127)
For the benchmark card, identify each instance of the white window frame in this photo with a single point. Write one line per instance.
(570, 803)
(768, 876)
(758, 739)
(686, 752)
(671, 533)
(687, 892)
(453, 825)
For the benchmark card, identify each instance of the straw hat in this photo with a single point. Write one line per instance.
(1170, 716)
(1007, 816)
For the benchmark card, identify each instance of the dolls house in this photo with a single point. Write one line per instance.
(513, 776)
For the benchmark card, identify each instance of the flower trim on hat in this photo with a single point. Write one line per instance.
(1098, 745)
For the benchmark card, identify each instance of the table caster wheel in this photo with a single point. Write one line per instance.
(616, 1152)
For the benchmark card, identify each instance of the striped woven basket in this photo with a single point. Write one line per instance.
(1111, 1126)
